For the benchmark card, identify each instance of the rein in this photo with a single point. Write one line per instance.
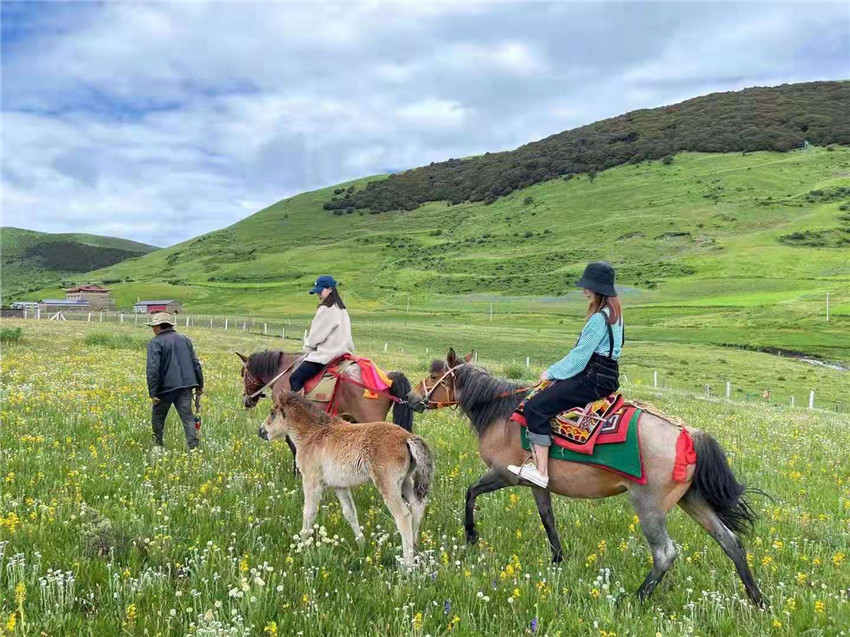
(272, 381)
(452, 389)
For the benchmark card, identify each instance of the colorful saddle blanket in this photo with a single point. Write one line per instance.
(603, 433)
(580, 428)
(322, 387)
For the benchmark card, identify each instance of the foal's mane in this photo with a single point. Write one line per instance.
(265, 363)
(303, 408)
(485, 398)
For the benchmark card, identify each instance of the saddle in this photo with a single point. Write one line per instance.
(579, 428)
(322, 387)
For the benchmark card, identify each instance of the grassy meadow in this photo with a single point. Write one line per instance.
(103, 536)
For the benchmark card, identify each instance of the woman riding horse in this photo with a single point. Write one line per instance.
(330, 333)
(589, 372)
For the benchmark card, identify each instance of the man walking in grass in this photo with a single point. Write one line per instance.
(173, 371)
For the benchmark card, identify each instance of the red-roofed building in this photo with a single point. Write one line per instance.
(98, 297)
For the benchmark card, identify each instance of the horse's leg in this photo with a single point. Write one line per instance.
(312, 497)
(695, 506)
(390, 490)
(653, 522)
(493, 480)
(417, 507)
(544, 507)
(350, 513)
(294, 452)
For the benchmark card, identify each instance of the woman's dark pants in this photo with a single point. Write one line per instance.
(591, 384)
(304, 372)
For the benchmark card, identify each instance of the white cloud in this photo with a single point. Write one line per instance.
(160, 121)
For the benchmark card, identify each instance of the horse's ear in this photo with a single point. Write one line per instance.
(451, 357)
(242, 356)
(469, 356)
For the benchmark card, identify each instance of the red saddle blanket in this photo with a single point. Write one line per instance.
(582, 428)
(372, 378)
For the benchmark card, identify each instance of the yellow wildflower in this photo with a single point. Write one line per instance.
(838, 558)
(819, 607)
(417, 621)
(271, 629)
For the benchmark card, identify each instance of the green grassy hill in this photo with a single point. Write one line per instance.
(716, 248)
(30, 259)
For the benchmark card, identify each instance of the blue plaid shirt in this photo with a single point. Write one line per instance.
(594, 338)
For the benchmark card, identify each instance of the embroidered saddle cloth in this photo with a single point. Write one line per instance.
(603, 433)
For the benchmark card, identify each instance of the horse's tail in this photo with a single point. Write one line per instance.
(716, 482)
(402, 413)
(422, 471)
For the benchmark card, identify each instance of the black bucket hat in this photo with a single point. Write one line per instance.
(599, 277)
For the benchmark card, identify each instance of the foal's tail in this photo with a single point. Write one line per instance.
(422, 469)
(402, 413)
(718, 485)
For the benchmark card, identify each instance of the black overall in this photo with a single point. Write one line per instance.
(599, 379)
(304, 372)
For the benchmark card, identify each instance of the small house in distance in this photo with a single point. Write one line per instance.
(64, 305)
(98, 297)
(150, 307)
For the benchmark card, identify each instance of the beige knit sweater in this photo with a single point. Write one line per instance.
(330, 335)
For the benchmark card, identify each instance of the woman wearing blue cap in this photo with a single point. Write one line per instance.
(589, 372)
(329, 336)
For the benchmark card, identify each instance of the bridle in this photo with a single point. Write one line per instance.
(451, 390)
(254, 382)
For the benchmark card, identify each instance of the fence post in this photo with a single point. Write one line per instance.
(121, 317)
(265, 328)
(385, 347)
(426, 351)
(812, 399)
(211, 322)
(728, 389)
(38, 313)
(187, 320)
(655, 379)
(528, 361)
(707, 390)
(136, 318)
(792, 401)
(283, 333)
(305, 336)
(226, 321)
(25, 313)
(101, 317)
(244, 325)
(402, 349)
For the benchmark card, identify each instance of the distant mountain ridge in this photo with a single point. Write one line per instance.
(30, 259)
(774, 118)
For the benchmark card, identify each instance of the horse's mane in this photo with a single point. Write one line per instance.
(264, 364)
(289, 400)
(485, 398)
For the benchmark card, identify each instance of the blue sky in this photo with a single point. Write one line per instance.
(162, 121)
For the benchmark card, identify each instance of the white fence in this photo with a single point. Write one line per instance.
(295, 329)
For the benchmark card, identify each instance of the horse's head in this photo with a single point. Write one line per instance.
(439, 387)
(251, 385)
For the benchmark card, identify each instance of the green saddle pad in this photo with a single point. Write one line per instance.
(622, 457)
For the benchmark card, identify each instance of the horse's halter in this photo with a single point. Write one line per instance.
(250, 397)
(451, 390)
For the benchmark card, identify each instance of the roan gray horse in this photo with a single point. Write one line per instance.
(711, 494)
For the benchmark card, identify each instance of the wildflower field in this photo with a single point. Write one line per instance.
(102, 535)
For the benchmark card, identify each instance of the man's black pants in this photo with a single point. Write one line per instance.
(182, 401)
(304, 372)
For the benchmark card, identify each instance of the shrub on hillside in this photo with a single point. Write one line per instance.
(777, 119)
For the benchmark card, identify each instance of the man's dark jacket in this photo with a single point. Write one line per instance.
(172, 363)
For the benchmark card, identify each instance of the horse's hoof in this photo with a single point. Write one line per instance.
(472, 537)
(557, 558)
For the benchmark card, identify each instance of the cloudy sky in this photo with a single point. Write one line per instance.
(161, 121)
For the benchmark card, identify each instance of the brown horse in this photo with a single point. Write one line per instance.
(337, 454)
(711, 495)
(261, 368)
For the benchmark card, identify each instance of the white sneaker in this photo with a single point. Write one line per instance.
(530, 473)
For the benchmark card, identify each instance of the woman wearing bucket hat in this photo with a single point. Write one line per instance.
(589, 372)
(329, 336)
